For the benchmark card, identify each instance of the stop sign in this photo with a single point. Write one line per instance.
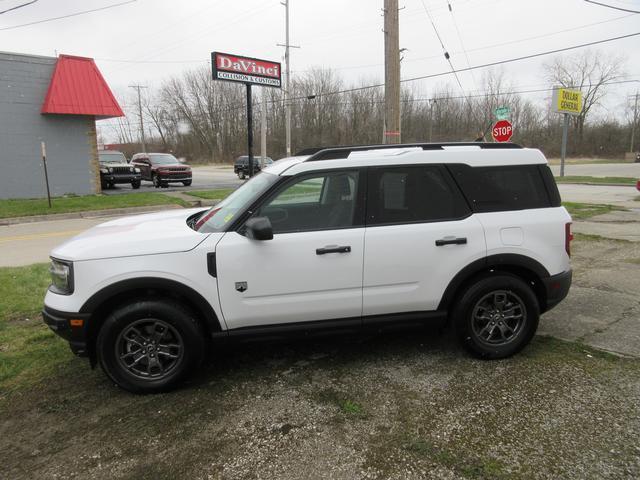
(502, 131)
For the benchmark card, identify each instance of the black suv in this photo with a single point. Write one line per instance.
(114, 169)
(241, 165)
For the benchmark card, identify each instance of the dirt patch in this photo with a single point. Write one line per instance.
(406, 406)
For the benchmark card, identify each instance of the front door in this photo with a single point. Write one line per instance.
(311, 269)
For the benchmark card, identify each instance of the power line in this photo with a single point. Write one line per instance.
(12, 27)
(611, 6)
(464, 50)
(475, 67)
(18, 6)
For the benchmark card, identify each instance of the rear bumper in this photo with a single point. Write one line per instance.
(557, 288)
(60, 323)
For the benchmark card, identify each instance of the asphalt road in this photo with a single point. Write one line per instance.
(600, 170)
(204, 178)
(28, 243)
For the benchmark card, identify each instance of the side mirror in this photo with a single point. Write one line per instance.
(259, 228)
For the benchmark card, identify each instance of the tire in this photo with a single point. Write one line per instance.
(241, 175)
(135, 185)
(156, 181)
(131, 351)
(496, 316)
(187, 183)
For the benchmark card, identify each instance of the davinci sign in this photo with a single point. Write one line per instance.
(567, 101)
(248, 70)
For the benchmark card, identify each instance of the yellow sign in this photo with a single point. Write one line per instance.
(567, 101)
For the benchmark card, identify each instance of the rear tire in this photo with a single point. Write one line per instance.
(156, 181)
(150, 345)
(496, 316)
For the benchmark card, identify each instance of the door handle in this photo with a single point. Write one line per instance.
(451, 241)
(333, 249)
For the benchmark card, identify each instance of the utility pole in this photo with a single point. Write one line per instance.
(263, 130)
(635, 121)
(142, 140)
(391, 72)
(287, 92)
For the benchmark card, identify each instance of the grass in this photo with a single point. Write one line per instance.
(28, 349)
(211, 194)
(582, 211)
(39, 206)
(626, 181)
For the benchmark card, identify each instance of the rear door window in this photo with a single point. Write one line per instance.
(412, 194)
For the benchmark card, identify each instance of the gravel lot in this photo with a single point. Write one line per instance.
(405, 406)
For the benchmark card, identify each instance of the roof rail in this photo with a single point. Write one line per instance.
(334, 153)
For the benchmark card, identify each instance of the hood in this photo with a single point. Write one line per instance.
(111, 164)
(162, 232)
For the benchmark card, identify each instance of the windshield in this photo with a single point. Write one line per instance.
(163, 159)
(112, 158)
(220, 215)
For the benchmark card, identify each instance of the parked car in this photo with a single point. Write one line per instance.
(162, 169)
(114, 169)
(241, 165)
(345, 239)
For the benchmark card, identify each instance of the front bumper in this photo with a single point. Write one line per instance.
(66, 325)
(168, 178)
(557, 288)
(117, 178)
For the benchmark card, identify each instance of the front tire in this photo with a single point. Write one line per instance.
(187, 183)
(135, 184)
(241, 175)
(150, 345)
(496, 316)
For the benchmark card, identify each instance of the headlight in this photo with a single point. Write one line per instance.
(61, 277)
(137, 170)
(110, 170)
(103, 170)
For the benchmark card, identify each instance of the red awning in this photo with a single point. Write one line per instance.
(78, 88)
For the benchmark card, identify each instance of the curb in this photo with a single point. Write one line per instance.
(86, 214)
(596, 184)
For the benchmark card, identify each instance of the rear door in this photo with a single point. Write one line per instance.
(419, 234)
(311, 269)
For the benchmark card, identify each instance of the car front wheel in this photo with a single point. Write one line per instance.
(150, 345)
(187, 183)
(496, 316)
(135, 184)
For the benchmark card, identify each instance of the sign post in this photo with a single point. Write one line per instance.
(568, 102)
(250, 71)
(46, 174)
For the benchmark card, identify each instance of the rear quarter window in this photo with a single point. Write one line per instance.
(503, 188)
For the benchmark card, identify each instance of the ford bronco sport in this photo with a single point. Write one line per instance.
(347, 238)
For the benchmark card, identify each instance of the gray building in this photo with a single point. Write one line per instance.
(56, 101)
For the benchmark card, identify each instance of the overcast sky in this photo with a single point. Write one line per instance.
(147, 41)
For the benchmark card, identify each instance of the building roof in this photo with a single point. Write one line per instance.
(78, 88)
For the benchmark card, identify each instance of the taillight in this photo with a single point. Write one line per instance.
(568, 236)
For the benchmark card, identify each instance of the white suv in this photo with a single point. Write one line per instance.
(347, 238)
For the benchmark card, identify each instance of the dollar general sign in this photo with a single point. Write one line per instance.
(567, 101)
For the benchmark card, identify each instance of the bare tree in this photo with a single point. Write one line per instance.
(588, 72)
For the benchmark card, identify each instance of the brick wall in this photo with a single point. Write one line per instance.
(70, 139)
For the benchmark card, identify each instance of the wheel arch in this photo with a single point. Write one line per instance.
(104, 301)
(521, 266)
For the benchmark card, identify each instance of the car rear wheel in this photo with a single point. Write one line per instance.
(150, 345)
(156, 181)
(496, 316)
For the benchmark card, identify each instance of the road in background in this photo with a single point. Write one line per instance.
(600, 170)
(204, 178)
(619, 196)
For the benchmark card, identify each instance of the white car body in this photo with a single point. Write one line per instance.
(392, 269)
